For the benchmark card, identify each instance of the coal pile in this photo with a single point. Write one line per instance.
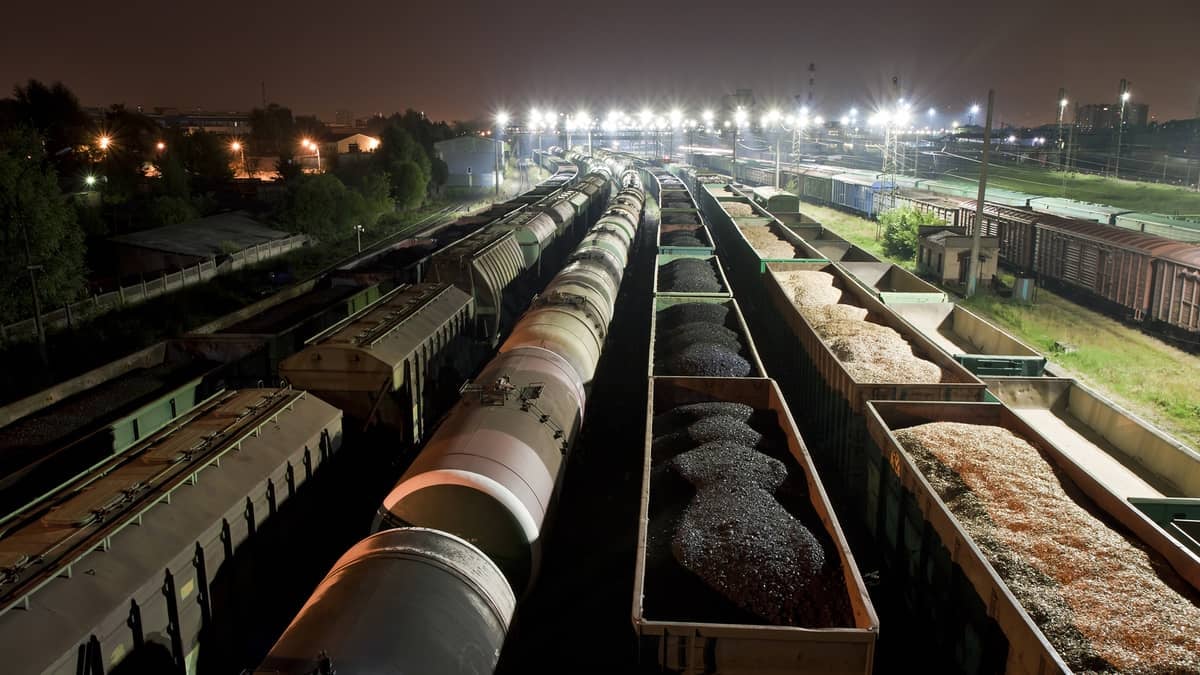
(677, 218)
(682, 238)
(699, 339)
(733, 537)
(689, 275)
(1105, 602)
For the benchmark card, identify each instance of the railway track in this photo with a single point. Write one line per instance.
(44, 538)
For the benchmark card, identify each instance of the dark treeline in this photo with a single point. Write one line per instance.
(70, 179)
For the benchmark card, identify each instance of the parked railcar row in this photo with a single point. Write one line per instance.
(392, 357)
(688, 622)
(969, 617)
(435, 588)
(1133, 275)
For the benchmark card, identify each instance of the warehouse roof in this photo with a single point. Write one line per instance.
(205, 237)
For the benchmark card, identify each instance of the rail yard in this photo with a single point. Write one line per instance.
(652, 408)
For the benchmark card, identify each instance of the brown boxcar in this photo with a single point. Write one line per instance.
(1176, 298)
(1013, 227)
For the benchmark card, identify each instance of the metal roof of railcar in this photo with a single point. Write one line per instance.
(1161, 247)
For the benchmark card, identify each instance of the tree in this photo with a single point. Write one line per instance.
(900, 228)
(55, 113)
(287, 168)
(169, 210)
(272, 130)
(322, 207)
(405, 162)
(206, 157)
(33, 210)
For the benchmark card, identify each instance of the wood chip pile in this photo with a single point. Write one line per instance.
(1105, 602)
(738, 209)
(871, 352)
(768, 244)
(732, 535)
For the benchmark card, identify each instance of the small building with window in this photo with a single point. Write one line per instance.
(944, 254)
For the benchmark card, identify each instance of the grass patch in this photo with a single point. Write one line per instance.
(1141, 373)
(1125, 194)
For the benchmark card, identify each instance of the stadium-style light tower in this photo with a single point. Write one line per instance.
(1062, 109)
(971, 117)
(739, 118)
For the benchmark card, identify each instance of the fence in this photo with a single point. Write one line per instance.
(72, 313)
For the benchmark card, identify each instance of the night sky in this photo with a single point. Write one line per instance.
(462, 60)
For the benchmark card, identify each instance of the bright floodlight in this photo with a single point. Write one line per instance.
(954, 124)
(975, 109)
(160, 146)
(1125, 96)
(235, 146)
(90, 180)
(932, 112)
(845, 120)
(1012, 139)
(854, 112)
(676, 117)
(818, 120)
(502, 119)
(306, 143)
(708, 118)
(104, 141)
(1062, 103)
(739, 116)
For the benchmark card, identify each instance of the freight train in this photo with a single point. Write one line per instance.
(435, 588)
(941, 590)
(386, 308)
(1135, 276)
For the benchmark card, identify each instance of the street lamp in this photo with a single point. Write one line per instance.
(1121, 127)
(1062, 108)
(501, 123)
(104, 142)
(971, 117)
(160, 146)
(238, 148)
(315, 147)
(90, 181)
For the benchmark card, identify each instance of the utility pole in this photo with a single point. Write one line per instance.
(37, 302)
(778, 140)
(976, 235)
(1121, 126)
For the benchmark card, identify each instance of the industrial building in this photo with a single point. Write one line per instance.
(1100, 116)
(945, 254)
(472, 160)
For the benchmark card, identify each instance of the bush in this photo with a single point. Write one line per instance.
(900, 228)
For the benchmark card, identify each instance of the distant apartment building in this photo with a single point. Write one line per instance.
(1101, 116)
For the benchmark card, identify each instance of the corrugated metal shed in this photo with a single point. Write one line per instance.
(204, 237)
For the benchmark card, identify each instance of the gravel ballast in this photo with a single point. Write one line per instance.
(1104, 601)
